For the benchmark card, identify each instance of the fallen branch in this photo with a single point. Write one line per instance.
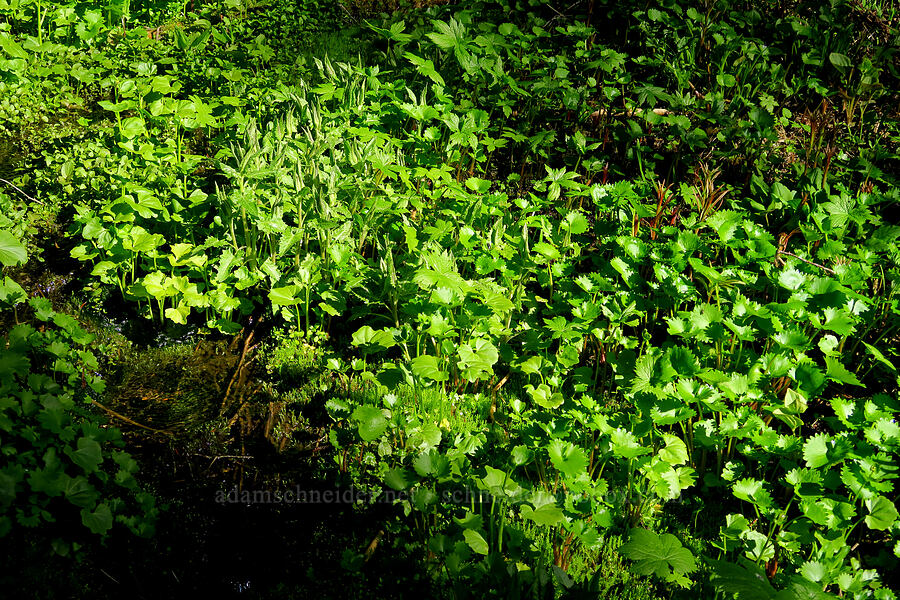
(809, 262)
(215, 458)
(631, 112)
(127, 420)
(18, 189)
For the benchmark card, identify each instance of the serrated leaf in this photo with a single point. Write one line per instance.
(398, 479)
(544, 397)
(625, 444)
(432, 463)
(792, 279)
(658, 554)
(838, 372)
(815, 451)
(568, 459)
(675, 451)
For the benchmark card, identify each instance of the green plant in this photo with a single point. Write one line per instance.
(61, 464)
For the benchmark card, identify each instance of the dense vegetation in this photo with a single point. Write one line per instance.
(586, 300)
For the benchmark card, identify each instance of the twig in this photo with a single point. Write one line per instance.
(631, 112)
(240, 367)
(18, 189)
(223, 456)
(494, 394)
(809, 262)
(501, 383)
(347, 12)
(110, 576)
(559, 14)
(127, 420)
(214, 459)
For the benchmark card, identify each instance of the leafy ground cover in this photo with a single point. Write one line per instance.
(555, 289)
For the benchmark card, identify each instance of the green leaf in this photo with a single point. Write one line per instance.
(576, 223)
(178, 314)
(726, 80)
(432, 463)
(288, 295)
(840, 61)
(815, 451)
(882, 513)
(371, 422)
(10, 47)
(813, 570)
(99, 521)
(544, 397)
(838, 321)
(529, 366)
(425, 67)
(372, 340)
(801, 589)
(547, 515)
(499, 483)
(132, 127)
(12, 252)
(752, 490)
(398, 479)
(547, 251)
(428, 367)
(675, 452)
(568, 459)
(88, 455)
(625, 444)
(742, 583)
(477, 360)
(876, 353)
(478, 185)
(11, 292)
(792, 279)
(838, 372)
(683, 361)
(80, 493)
(658, 554)
(469, 520)
(476, 541)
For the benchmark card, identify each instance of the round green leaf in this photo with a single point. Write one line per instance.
(370, 421)
(99, 521)
(882, 513)
(12, 252)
